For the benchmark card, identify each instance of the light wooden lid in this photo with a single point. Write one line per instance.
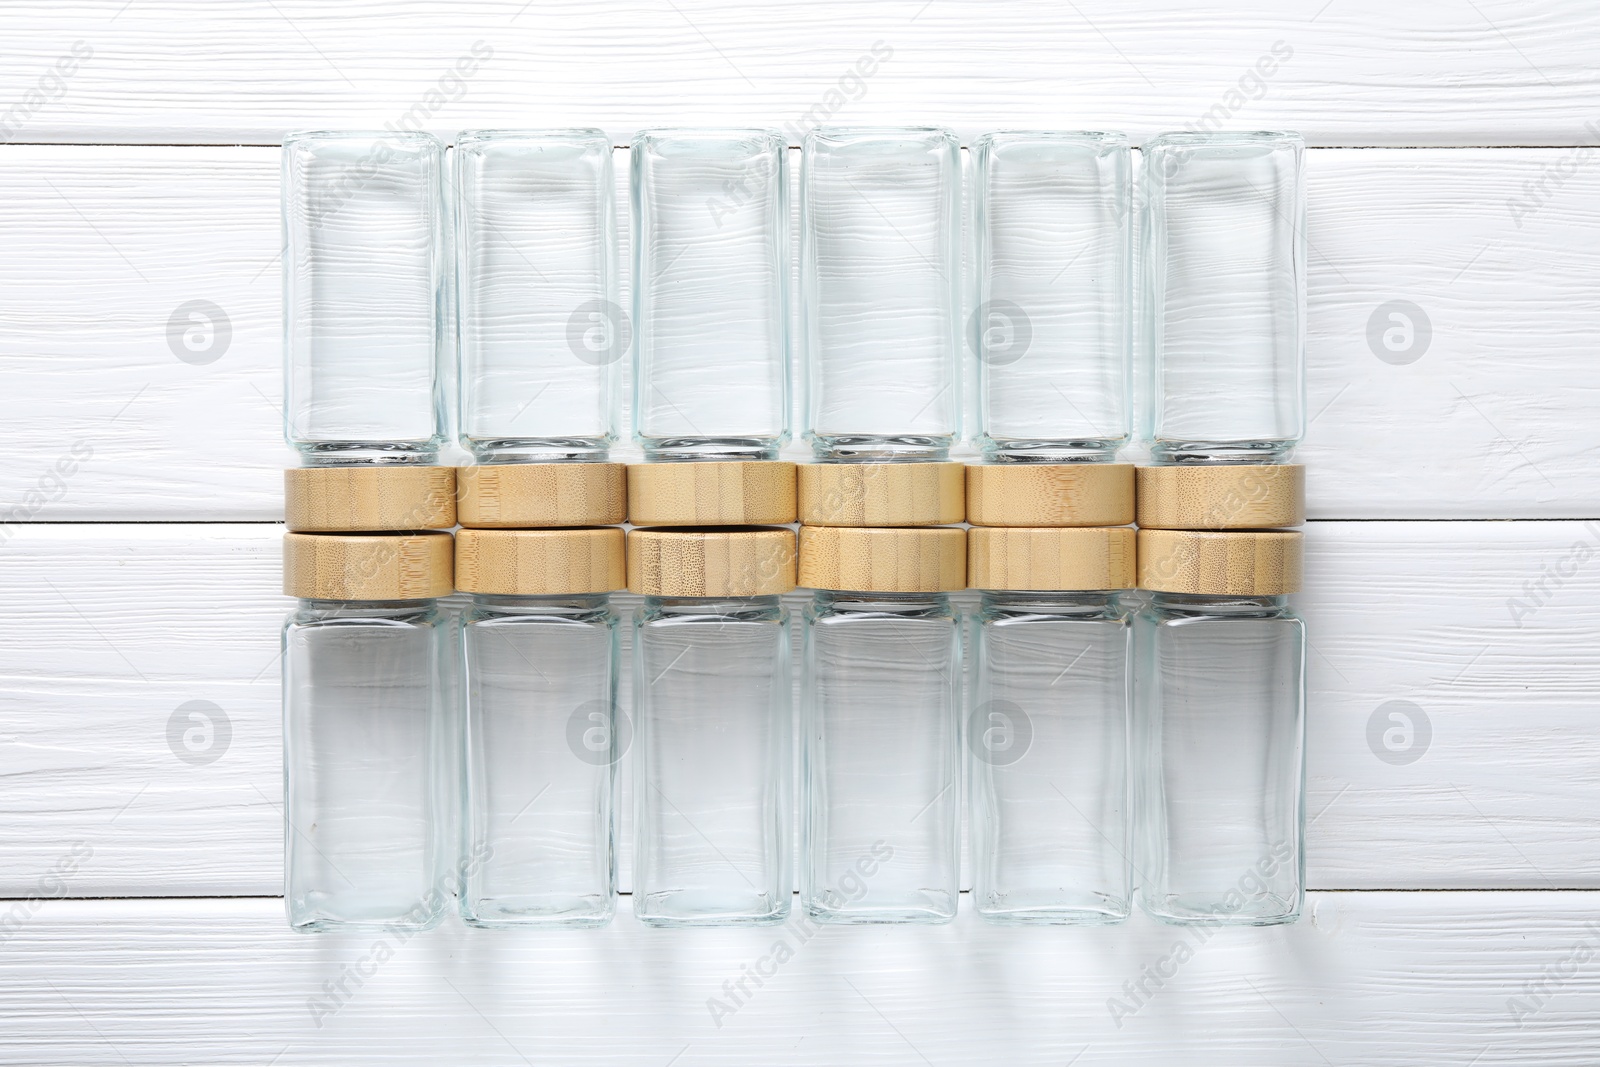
(883, 560)
(882, 494)
(711, 563)
(711, 493)
(1230, 563)
(1227, 497)
(499, 495)
(540, 562)
(354, 499)
(377, 566)
(1050, 494)
(1052, 558)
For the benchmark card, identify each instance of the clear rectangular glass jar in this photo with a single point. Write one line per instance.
(1221, 759)
(711, 293)
(712, 794)
(1047, 731)
(1225, 263)
(542, 740)
(1053, 326)
(367, 765)
(881, 760)
(541, 333)
(880, 274)
(365, 296)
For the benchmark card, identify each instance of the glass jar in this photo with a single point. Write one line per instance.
(1048, 724)
(366, 732)
(1225, 263)
(543, 732)
(541, 331)
(365, 295)
(712, 691)
(880, 772)
(1053, 326)
(880, 272)
(1221, 724)
(711, 293)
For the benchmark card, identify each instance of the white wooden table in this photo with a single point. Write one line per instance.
(1454, 556)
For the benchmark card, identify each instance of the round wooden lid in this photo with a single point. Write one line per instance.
(882, 494)
(1225, 497)
(1051, 558)
(376, 566)
(501, 495)
(355, 499)
(882, 560)
(540, 562)
(711, 493)
(711, 563)
(1050, 494)
(1228, 563)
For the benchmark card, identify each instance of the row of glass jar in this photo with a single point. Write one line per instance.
(516, 268)
(402, 797)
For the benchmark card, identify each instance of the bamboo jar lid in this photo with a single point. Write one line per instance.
(1246, 497)
(711, 493)
(331, 566)
(883, 560)
(711, 563)
(495, 495)
(1231, 563)
(1050, 494)
(1051, 558)
(353, 499)
(540, 562)
(882, 494)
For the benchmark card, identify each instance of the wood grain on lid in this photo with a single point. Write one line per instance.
(882, 494)
(377, 566)
(1221, 563)
(540, 562)
(711, 493)
(1050, 494)
(883, 560)
(1051, 558)
(1223, 497)
(711, 563)
(360, 498)
(502, 495)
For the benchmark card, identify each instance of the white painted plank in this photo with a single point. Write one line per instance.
(1353, 72)
(1393, 978)
(112, 628)
(1490, 421)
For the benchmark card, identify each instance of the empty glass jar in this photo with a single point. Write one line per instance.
(541, 333)
(365, 295)
(712, 691)
(1225, 275)
(880, 271)
(366, 733)
(1053, 326)
(711, 293)
(543, 730)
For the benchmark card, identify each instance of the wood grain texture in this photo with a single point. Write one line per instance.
(513, 495)
(711, 563)
(1484, 632)
(879, 560)
(541, 562)
(711, 493)
(1247, 497)
(882, 494)
(1499, 249)
(1051, 558)
(1225, 563)
(333, 499)
(326, 566)
(1358, 73)
(1399, 979)
(1050, 494)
